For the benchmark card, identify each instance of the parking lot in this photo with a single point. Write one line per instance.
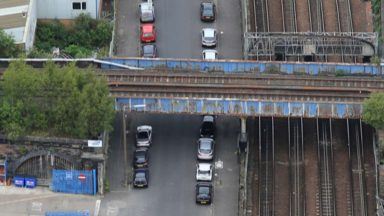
(178, 29)
(172, 166)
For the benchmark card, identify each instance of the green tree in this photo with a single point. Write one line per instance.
(373, 110)
(8, 48)
(56, 101)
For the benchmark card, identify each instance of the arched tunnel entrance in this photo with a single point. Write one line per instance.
(40, 164)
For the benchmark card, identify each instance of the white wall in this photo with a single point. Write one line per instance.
(16, 33)
(30, 27)
(62, 9)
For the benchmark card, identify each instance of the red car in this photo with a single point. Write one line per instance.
(147, 33)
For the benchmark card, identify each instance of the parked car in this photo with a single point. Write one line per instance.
(140, 158)
(149, 51)
(204, 193)
(207, 11)
(147, 33)
(208, 127)
(205, 148)
(208, 37)
(209, 54)
(140, 178)
(147, 12)
(144, 136)
(204, 172)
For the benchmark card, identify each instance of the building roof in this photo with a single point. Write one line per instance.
(13, 13)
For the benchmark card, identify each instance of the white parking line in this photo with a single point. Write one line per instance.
(97, 208)
(29, 199)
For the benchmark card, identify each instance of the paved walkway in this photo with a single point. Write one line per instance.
(22, 201)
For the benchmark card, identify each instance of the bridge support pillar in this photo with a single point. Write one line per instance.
(243, 122)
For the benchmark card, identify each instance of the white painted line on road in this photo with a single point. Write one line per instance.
(97, 208)
(36, 206)
(29, 199)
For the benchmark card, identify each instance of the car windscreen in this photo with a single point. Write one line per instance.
(208, 10)
(203, 190)
(140, 157)
(205, 146)
(204, 172)
(148, 34)
(148, 50)
(142, 135)
(140, 176)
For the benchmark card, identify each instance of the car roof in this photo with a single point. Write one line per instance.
(207, 3)
(208, 118)
(209, 32)
(205, 166)
(147, 27)
(144, 6)
(210, 54)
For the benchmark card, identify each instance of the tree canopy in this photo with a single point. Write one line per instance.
(54, 101)
(373, 110)
(8, 48)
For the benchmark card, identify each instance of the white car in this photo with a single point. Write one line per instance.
(204, 172)
(208, 37)
(147, 12)
(144, 136)
(210, 54)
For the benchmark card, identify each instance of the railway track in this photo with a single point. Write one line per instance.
(358, 83)
(325, 160)
(289, 14)
(316, 15)
(359, 203)
(296, 158)
(344, 15)
(261, 15)
(266, 169)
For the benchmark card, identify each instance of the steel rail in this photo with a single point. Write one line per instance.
(358, 82)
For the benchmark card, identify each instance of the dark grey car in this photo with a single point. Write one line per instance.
(149, 51)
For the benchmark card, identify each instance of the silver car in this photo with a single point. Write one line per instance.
(208, 37)
(205, 147)
(204, 172)
(147, 12)
(144, 136)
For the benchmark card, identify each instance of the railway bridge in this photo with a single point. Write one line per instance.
(309, 151)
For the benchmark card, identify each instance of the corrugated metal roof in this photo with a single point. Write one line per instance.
(12, 21)
(12, 3)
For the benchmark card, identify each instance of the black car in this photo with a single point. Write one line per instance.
(149, 51)
(140, 158)
(208, 127)
(204, 193)
(140, 178)
(207, 11)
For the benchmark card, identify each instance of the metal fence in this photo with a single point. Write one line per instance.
(239, 66)
(74, 181)
(241, 107)
(69, 213)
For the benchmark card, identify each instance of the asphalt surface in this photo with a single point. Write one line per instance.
(178, 28)
(172, 169)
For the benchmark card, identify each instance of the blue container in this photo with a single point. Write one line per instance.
(19, 181)
(30, 182)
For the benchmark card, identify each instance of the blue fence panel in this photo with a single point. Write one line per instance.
(253, 108)
(282, 109)
(74, 181)
(340, 110)
(137, 104)
(354, 110)
(296, 109)
(310, 110)
(68, 213)
(180, 105)
(267, 108)
(165, 105)
(152, 104)
(237, 107)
